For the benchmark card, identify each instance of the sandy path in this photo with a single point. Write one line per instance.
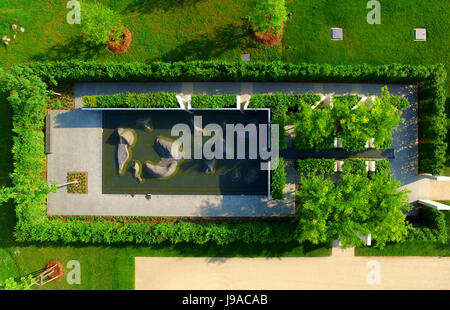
(334, 272)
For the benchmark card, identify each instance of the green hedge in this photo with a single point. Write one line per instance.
(82, 71)
(316, 165)
(351, 165)
(355, 166)
(278, 180)
(28, 98)
(213, 101)
(432, 147)
(434, 230)
(132, 100)
(358, 166)
(432, 122)
(383, 166)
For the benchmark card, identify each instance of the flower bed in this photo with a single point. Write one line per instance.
(77, 188)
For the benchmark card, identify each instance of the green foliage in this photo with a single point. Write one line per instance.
(213, 102)
(316, 165)
(278, 110)
(383, 167)
(432, 123)
(353, 122)
(30, 191)
(278, 180)
(24, 283)
(280, 105)
(315, 128)
(99, 23)
(315, 201)
(434, 230)
(27, 96)
(268, 14)
(355, 204)
(355, 166)
(384, 115)
(132, 100)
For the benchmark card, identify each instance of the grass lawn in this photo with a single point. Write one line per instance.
(112, 267)
(172, 30)
(411, 248)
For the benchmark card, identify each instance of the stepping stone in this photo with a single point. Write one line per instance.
(337, 34)
(245, 57)
(420, 34)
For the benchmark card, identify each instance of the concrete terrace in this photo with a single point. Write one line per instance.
(77, 136)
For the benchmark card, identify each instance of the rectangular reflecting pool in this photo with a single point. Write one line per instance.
(137, 156)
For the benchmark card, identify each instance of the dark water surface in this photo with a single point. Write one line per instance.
(190, 177)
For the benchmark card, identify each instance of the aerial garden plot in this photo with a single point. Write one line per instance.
(352, 152)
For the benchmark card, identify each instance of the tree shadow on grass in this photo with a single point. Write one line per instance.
(149, 6)
(75, 48)
(210, 45)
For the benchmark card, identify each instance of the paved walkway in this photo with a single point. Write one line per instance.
(289, 273)
(77, 137)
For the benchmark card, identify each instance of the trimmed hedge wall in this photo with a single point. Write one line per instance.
(435, 229)
(278, 180)
(355, 166)
(132, 100)
(432, 146)
(213, 101)
(315, 165)
(28, 98)
(432, 122)
(351, 165)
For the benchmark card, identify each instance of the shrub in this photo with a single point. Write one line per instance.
(213, 102)
(99, 23)
(316, 165)
(432, 122)
(27, 97)
(383, 167)
(435, 229)
(278, 180)
(268, 14)
(278, 110)
(355, 166)
(132, 100)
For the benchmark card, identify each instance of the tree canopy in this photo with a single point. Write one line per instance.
(99, 23)
(349, 119)
(354, 204)
(268, 14)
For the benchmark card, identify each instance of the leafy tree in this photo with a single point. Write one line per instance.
(316, 199)
(268, 14)
(100, 24)
(384, 115)
(315, 128)
(354, 205)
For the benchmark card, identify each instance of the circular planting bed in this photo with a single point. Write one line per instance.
(267, 38)
(57, 272)
(124, 42)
